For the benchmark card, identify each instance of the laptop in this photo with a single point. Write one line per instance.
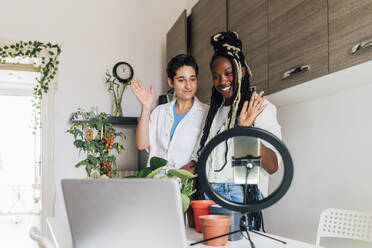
(124, 213)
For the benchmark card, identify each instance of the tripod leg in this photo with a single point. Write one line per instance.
(205, 240)
(249, 238)
(267, 236)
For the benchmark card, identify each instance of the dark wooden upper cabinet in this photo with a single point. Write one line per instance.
(298, 42)
(177, 37)
(207, 18)
(249, 19)
(350, 33)
(286, 42)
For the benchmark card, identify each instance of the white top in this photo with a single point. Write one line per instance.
(177, 151)
(266, 120)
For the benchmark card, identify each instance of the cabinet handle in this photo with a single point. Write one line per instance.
(294, 70)
(360, 46)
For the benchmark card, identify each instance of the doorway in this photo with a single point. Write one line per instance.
(20, 160)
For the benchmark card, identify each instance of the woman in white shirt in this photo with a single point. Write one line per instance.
(171, 130)
(234, 104)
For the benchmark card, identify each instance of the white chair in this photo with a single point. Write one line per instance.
(42, 241)
(347, 224)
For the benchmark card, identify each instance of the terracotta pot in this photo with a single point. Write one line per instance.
(213, 226)
(235, 220)
(200, 207)
(190, 218)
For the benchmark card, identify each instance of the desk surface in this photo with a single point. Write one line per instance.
(62, 239)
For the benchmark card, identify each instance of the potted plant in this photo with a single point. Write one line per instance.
(97, 138)
(117, 89)
(157, 165)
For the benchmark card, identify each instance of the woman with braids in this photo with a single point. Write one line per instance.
(234, 104)
(171, 130)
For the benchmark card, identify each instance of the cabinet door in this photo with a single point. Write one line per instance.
(350, 25)
(298, 40)
(207, 18)
(177, 37)
(249, 19)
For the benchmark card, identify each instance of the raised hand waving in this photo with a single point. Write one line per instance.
(251, 110)
(144, 97)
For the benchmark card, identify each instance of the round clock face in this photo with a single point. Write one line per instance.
(123, 72)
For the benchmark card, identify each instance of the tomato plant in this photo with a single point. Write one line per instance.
(96, 138)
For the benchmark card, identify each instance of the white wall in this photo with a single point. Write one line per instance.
(94, 35)
(330, 140)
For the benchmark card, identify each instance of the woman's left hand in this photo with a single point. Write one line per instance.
(251, 110)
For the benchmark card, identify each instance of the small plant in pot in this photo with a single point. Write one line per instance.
(97, 138)
(156, 169)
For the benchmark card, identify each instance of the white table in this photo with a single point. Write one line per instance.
(62, 238)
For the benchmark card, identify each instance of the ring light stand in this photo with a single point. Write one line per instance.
(246, 207)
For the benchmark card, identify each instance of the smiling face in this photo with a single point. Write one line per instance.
(223, 78)
(185, 83)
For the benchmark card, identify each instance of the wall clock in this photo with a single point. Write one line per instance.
(123, 72)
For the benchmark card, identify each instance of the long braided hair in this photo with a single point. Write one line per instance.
(228, 45)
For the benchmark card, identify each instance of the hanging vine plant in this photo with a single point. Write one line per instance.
(48, 67)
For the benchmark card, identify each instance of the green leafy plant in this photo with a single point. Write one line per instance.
(97, 138)
(157, 165)
(48, 53)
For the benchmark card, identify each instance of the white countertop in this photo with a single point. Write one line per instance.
(62, 238)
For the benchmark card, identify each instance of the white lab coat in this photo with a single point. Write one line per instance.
(177, 151)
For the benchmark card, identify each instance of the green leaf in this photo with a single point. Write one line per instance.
(81, 163)
(89, 168)
(184, 174)
(99, 124)
(130, 177)
(185, 202)
(78, 143)
(144, 172)
(187, 187)
(92, 160)
(91, 146)
(156, 162)
(191, 193)
(154, 172)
